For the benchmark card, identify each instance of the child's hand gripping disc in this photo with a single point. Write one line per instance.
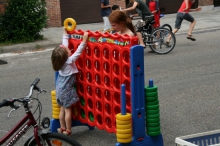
(69, 24)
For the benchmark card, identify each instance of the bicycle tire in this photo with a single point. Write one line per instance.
(167, 26)
(51, 138)
(158, 39)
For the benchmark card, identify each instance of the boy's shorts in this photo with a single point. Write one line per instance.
(180, 17)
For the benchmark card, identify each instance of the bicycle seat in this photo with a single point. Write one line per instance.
(148, 19)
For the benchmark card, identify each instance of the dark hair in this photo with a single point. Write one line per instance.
(119, 16)
(115, 7)
(59, 57)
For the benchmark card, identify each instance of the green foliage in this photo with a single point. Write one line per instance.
(22, 20)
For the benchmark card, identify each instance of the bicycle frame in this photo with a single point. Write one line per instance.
(25, 123)
(147, 38)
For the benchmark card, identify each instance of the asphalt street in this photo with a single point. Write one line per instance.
(187, 79)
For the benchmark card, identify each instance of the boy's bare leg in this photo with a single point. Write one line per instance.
(169, 37)
(191, 27)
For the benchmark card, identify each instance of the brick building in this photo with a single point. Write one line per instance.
(88, 11)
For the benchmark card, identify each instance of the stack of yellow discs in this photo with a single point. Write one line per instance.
(124, 129)
(55, 106)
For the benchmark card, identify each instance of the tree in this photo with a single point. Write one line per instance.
(22, 20)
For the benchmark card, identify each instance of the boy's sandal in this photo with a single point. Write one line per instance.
(67, 132)
(191, 37)
(60, 130)
(150, 51)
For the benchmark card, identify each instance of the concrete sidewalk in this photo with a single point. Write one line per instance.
(205, 20)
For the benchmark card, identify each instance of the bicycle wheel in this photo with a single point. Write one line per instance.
(159, 41)
(52, 139)
(167, 26)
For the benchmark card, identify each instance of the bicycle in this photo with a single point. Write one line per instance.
(40, 137)
(156, 38)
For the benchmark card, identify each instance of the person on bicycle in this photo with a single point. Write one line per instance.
(143, 11)
(183, 14)
(140, 7)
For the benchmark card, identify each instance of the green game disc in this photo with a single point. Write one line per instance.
(152, 112)
(153, 129)
(153, 124)
(151, 99)
(152, 102)
(153, 133)
(152, 116)
(151, 94)
(150, 89)
(155, 120)
(152, 107)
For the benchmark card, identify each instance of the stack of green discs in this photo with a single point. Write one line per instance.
(152, 111)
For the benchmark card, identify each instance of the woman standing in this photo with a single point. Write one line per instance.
(153, 6)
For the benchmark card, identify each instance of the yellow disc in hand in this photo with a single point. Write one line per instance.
(69, 24)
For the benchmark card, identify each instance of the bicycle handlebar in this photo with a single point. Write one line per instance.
(10, 102)
(34, 86)
(36, 81)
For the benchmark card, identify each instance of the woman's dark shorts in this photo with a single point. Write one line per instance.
(182, 16)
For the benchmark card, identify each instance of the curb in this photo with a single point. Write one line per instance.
(38, 45)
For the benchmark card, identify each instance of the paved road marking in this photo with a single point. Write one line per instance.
(23, 53)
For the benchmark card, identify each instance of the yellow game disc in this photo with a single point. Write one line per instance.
(54, 101)
(120, 122)
(55, 113)
(122, 136)
(72, 23)
(55, 116)
(121, 140)
(121, 117)
(53, 93)
(55, 105)
(55, 109)
(124, 131)
(128, 126)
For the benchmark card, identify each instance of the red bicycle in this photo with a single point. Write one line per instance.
(40, 137)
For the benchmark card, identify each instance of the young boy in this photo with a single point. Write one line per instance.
(183, 14)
